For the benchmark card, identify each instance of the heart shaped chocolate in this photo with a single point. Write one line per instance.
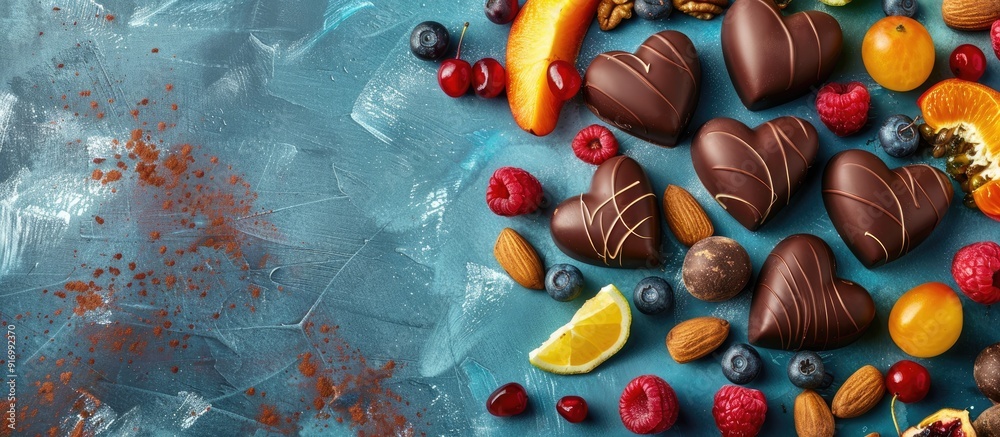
(799, 303)
(773, 59)
(616, 223)
(754, 173)
(883, 214)
(650, 94)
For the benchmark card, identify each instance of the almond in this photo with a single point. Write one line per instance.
(812, 416)
(860, 393)
(970, 14)
(686, 218)
(695, 338)
(519, 259)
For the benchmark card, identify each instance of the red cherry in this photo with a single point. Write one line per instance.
(564, 80)
(572, 408)
(508, 400)
(908, 381)
(455, 75)
(488, 78)
(968, 62)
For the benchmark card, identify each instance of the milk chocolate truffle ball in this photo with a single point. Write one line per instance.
(987, 372)
(716, 269)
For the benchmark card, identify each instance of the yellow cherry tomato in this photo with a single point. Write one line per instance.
(927, 320)
(898, 53)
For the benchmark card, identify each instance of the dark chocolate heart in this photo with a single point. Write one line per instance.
(650, 94)
(616, 223)
(883, 214)
(773, 59)
(799, 303)
(754, 173)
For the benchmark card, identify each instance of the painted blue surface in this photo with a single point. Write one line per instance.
(376, 180)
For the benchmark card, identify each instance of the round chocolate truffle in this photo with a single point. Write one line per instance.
(987, 372)
(716, 269)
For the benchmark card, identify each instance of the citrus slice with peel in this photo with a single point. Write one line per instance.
(597, 331)
(964, 127)
(835, 2)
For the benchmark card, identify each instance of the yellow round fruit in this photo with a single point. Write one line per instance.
(898, 53)
(927, 320)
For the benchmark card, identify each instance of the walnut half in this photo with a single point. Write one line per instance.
(611, 12)
(701, 9)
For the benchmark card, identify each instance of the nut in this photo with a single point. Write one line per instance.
(611, 12)
(701, 9)
(860, 393)
(970, 15)
(685, 216)
(988, 422)
(695, 338)
(519, 259)
(812, 416)
(873, 434)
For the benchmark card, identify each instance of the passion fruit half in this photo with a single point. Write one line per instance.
(946, 422)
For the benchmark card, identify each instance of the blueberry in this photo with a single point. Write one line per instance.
(501, 11)
(429, 40)
(653, 295)
(741, 363)
(806, 370)
(564, 282)
(906, 8)
(898, 136)
(653, 9)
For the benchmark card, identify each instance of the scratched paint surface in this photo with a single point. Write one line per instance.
(357, 242)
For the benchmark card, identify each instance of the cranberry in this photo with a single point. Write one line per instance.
(968, 62)
(908, 381)
(508, 400)
(488, 78)
(455, 75)
(564, 80)
(572, 408)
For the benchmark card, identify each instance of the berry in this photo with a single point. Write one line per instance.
(905, 8)
(572, 408)
(967, 62)
(564, 81)
(827, 381)
(976, 269)
(741, 363)
(806, 370)
(739, 411)
(488, 78)
(898, 53)
(648, 405)
(653, 295)
(595, 144)
(429, 40)
(995, 38)
(564, 282)
(843, 108)
(653, 9)
(908, 381)
(508, 400)
(454, 75)
(898, 136)
(501, 11)
(512, 192)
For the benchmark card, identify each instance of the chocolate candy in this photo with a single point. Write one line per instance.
(800, 304)
(716, 269)
(883, 214)
(773, 59)
(616, 223)
(650, 94)
(754, 173)
(986, 371)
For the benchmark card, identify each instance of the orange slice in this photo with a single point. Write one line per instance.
(976, 108)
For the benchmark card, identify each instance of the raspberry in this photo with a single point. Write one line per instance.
(595, 144)
(843, 108)
(995, 37)
(513, 191)
(739, 411)
(976, 269)
(648, 405)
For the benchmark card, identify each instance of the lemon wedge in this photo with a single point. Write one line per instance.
(597, 331)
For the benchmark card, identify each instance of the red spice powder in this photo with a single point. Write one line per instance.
(306, 366)
(97, 174)
(111, 176)
(46, 392)
(155, 50)
(269, 415)
(98, 219)
(109, 17)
